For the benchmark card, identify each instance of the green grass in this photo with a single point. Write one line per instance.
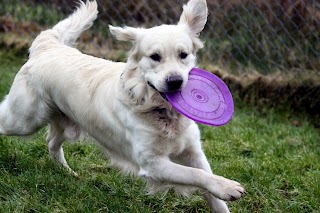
(277, 162)
(37, 13)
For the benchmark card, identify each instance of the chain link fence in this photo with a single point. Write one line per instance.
(261, 35)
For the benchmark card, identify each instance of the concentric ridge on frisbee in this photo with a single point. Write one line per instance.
(205, 99)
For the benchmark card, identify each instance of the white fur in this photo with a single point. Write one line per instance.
(139, 130)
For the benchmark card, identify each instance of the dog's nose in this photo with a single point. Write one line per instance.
(174, 82)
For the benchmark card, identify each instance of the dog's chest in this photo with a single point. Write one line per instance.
(169, 124)
(169, 146)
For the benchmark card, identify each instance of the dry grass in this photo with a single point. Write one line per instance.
(299, 92)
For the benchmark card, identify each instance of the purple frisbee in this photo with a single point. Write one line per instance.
(205, 99)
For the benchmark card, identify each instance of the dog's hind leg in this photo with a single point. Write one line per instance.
(55, 139)
(22, 112)
(16, 119)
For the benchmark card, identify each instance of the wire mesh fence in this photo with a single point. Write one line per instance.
(261, 35)
(267, 37)
(264, 35)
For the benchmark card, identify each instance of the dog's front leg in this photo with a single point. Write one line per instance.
(194, 157)
(161, 168)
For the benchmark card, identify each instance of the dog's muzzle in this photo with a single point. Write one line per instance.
(174, 83)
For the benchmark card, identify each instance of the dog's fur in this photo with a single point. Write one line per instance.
(120, 105)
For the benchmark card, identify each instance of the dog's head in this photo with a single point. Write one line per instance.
(165, 54)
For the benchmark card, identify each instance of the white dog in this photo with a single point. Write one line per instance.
(120, 105)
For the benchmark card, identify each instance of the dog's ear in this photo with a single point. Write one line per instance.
(194, 15)
(125, 33)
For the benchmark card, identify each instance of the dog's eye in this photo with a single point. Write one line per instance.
(155, 57)
(183, 55)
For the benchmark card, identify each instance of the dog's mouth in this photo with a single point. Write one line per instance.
(161, 93)
(151, 85)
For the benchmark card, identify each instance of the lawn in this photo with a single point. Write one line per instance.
(274, 153)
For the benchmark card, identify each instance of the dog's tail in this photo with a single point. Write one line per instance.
(82, 19)
(69, 30)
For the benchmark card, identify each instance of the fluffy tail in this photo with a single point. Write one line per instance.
(82, 19)
(68, 30)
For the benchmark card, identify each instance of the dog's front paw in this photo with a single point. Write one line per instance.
(228, 190)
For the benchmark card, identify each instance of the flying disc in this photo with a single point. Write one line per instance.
(205, 99)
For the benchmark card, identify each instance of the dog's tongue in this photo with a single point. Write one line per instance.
(205, 99)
